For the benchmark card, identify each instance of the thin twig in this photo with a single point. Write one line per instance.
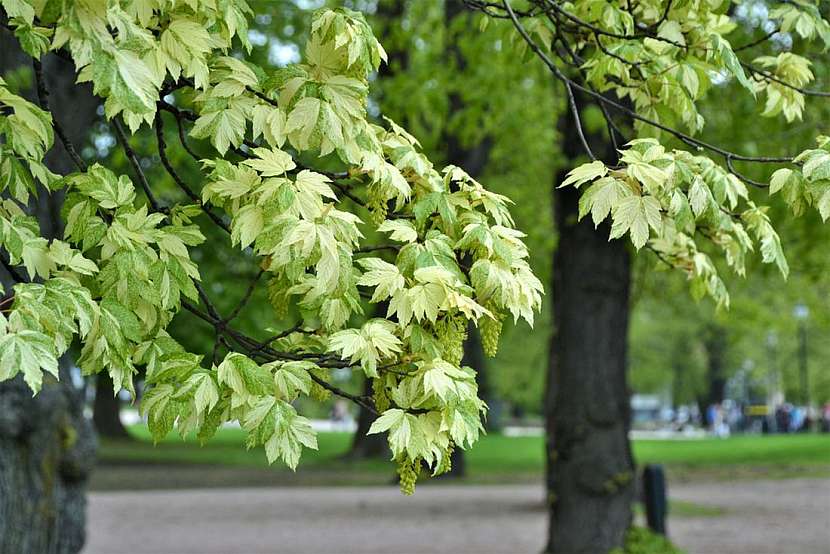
(248, 293)
(165, 161)
(374, 247)
(257, 349)
(770, 77)
(282, 334)
(688, 139)
(136, 165)
(578, 121)
(43, 99)
(758, 41)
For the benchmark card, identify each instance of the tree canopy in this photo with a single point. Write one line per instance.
(652, 63)
(299, 177)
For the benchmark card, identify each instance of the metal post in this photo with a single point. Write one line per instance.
(655, 498)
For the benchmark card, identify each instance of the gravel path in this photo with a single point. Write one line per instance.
(790, 516)
(762, 517)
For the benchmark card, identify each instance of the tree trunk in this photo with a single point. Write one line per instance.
(47, 450)
(715, 346)
(389, 14)
(47, 447)
(590, 468)
(106, 412)
(472, 159)
(589, 464)
(363, 445)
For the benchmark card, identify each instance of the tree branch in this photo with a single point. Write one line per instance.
(688, 139)
(766, 75)
(43, 100)
(131, 157)
(248, 293)
(162, 147)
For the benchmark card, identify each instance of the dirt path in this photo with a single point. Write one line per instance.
(790, 516)
(762, 517)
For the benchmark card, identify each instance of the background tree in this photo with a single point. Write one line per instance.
(652, 62)
(46, 445)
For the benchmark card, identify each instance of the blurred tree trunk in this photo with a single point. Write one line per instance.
(389, 13)
(715, 347)
(589, 465)
(106, 411)
(472, 159)
(363, 445)
(47, 447)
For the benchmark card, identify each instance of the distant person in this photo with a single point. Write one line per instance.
(694, 415)
(711, 416)
(733, 416)
(719, 426)
(825, 418)
(340, 411)
(796, 419)
(782, 419)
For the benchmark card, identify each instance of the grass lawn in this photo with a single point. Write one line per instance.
(496, 458)
(802, 449)
(492, 455)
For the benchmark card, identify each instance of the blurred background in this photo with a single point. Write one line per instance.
(735, 405)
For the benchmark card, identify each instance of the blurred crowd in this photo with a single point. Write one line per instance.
(728, 417)
(722, 419)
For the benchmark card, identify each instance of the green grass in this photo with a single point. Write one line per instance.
(494, 456)
(806, 449)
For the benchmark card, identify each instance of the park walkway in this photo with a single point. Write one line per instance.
(760, 517)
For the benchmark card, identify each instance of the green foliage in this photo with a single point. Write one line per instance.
(662, 59)
(666, 198)
(294, 154)
(455, 87)
(639, 540)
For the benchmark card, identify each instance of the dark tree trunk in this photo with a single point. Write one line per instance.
(47, 450)
(715, 347)
(589, 464)
(363, 445)
(106, 412)
(474, 357)
(590, 468)
(47, 447)
(471, 159)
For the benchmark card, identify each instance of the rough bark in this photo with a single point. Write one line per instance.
(47, 447)
(589, 465)
(106, 411)
(47, 450)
